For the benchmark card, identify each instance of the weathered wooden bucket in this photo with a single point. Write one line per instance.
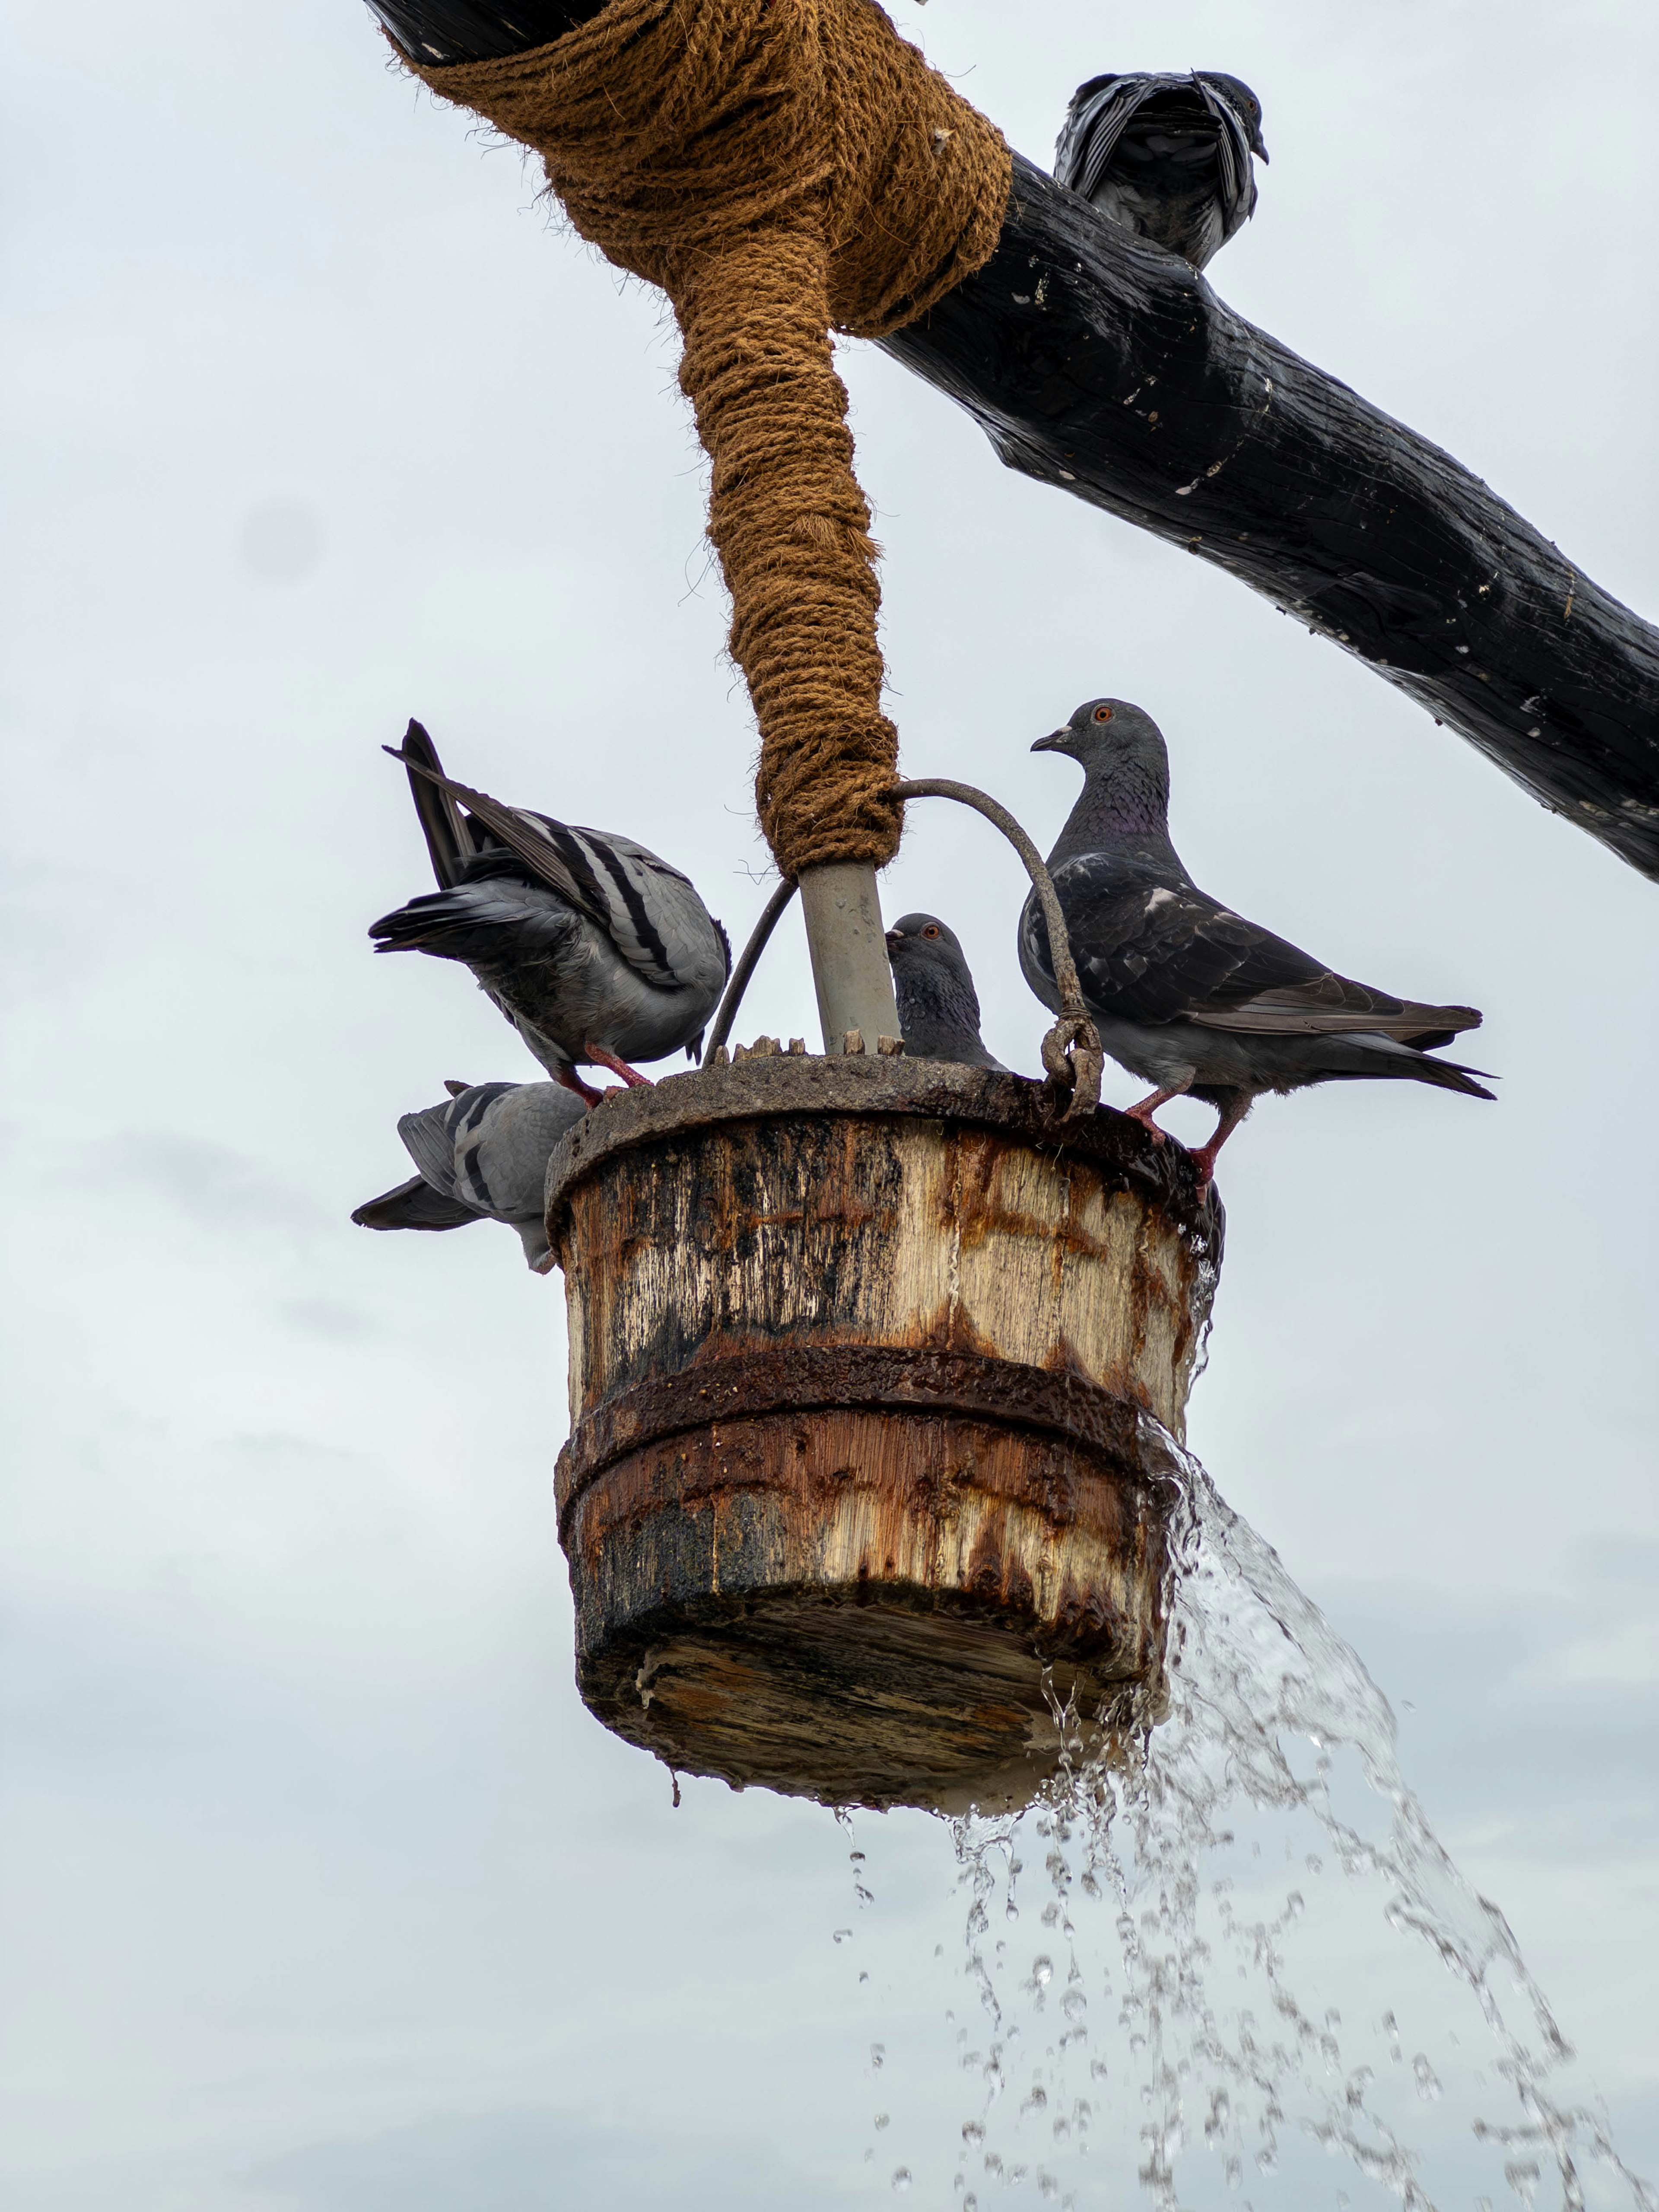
(860, 1483)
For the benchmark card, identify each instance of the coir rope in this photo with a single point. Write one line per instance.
(781, 168)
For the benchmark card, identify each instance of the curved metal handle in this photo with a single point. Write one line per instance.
(1071, 1051)
(726, 1012)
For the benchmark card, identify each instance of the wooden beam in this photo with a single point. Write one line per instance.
(1102, 366)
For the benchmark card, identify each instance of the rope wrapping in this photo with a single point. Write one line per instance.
(780, 169)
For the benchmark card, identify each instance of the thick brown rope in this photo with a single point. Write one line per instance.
(781, 168)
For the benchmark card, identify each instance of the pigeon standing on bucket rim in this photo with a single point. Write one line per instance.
(933, 986)
(1186, 993)
(595, 949)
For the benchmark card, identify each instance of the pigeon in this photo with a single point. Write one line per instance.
(482, 1157)
(1167, 157)
(596, 950)
(1186, 993)
(937, 1004)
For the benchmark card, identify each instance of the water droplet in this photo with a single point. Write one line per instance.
(1235, 2173)
(992, 2165)
(863, 1973)
(1038, 2100)
(878, 2056)
(1042, 1970)
(843, 1935)
(1048, 2186)
(884, 2119)
(1428, 2083)
(970, 2202)
(1074, 2004)
(900, 2178)
(1294, 1905)
(973, 2134)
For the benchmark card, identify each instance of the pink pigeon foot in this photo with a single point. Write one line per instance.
(1144, 1112)
(597, 1056)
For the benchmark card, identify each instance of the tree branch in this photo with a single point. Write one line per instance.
(1103, 366)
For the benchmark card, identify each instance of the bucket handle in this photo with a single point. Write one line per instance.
(1072, 1056)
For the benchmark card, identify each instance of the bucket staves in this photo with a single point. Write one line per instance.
(861, 1355)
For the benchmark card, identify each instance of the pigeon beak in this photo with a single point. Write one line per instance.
(894, 939)
(1259, 150)
(1052, 743)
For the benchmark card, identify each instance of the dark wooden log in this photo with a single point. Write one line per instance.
(1103, 366)
(861, 1356)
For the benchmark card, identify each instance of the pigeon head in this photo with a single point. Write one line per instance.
(1243, 103)
(918, 938)
(1121, 750)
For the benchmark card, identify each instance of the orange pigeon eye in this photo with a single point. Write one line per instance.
(1103, 713)
(930, 930)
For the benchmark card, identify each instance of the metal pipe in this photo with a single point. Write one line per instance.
(851, 971)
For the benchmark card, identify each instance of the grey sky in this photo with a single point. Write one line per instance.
(319, 1890)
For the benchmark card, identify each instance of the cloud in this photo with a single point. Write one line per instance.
(209, 1182)
(532, 2161)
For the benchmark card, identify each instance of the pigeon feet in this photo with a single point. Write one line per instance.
(1144, 1112)
(568, 1077)
(1232, 1115)
(597, 1055)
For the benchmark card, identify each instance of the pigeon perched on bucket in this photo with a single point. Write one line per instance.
(937, 1004)
(1167, 157)
(483, 1156)
(1184, 992)
(596, 950)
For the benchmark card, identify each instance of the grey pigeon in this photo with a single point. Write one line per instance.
(1186, 993)
(596, 950)
(937, 1004)
(1167, 157)
(482, 1157)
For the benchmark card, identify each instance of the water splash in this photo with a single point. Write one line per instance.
(1216, 2003)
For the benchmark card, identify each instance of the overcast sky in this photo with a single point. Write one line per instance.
(320, 1890)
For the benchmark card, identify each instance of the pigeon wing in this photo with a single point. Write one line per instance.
(1096, 121)
(449, 841)
(652, 912)
(1149, 954)
(414, 1205)
(1238, 178)
(539, 842)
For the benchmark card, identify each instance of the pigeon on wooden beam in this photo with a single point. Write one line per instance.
(598, 952)
(1186, 993)
(483, 1156)
(1167, 157)
(937, 1004)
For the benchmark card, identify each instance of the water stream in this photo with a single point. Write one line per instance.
(1226, 1962)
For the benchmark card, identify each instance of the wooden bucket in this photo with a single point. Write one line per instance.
(860, 1484)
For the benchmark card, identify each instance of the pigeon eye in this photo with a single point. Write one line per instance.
(1103, 713)
(930, 930)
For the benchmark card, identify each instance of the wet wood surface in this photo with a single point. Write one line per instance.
(873, 1366)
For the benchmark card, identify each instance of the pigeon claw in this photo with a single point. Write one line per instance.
(1144, 1112)
(598, 1055)
(568, 1077)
